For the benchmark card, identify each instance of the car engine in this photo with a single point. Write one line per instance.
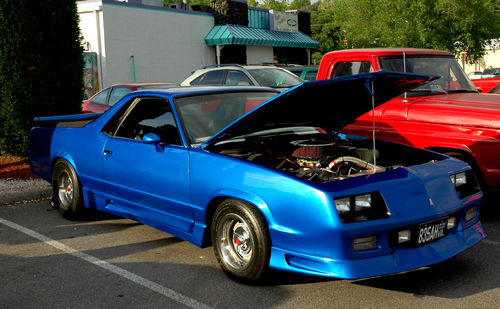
(316, 158)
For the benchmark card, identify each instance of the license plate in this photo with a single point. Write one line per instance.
(431, 231)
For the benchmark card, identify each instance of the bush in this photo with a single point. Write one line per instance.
(41, 66)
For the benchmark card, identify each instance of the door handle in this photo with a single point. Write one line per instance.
(108, 152)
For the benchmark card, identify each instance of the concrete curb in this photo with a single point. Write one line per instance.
(14, 190)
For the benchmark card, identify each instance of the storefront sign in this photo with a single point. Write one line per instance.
(284, 21)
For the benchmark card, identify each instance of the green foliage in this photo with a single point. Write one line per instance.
(304, 5)
(316, 57)
(275, 5)
(41, 66)
(253, 3)
(324, 28)
(454, 25)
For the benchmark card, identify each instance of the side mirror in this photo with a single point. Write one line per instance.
(155, 139)
(151, 138)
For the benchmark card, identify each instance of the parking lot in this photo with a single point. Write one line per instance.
(105, 261)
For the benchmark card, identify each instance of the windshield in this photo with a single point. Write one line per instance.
(274, 77)
(453, 78)
(204, 115)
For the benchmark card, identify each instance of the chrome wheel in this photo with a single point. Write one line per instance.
(241, 241)
(235, 241)
(65, 190)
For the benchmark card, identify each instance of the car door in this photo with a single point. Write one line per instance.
(147, 181)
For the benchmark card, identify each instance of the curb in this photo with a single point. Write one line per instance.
(13, 191)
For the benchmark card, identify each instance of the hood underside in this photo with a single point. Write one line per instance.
(329, 104)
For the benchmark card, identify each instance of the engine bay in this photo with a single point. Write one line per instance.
(319, 157)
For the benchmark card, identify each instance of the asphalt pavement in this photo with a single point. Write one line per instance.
(104, 261)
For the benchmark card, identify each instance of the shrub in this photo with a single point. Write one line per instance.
(41, 66)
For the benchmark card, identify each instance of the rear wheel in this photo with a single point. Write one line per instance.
(66, 189)
(241, 240)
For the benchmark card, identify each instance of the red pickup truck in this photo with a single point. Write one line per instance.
(448, 115)
(491, 85)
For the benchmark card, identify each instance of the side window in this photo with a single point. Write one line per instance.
(213, 78)
(150, 115)
(197, 80)
(237, 78)
(101, 97)
(351, 67)
(112, 125)
(311, 75)
(117, 93)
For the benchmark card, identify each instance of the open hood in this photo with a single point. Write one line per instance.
(329, 104)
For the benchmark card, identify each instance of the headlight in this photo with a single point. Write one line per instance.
(363, 201)
(459, 179)
(465, 184)
(343, 205)
(361, 207)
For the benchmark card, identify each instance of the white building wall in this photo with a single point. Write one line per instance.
(90, 15)
(259, 54)
(166, 45)
(491, 59)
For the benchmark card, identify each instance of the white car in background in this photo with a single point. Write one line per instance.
(248, 75)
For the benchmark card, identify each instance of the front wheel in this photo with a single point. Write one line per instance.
(66, 189)
(241, 240)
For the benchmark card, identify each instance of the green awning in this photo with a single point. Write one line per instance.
(239, 35)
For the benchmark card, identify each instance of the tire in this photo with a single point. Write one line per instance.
(241, 241)
(66, 189)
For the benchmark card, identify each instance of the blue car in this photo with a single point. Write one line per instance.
(267, 179)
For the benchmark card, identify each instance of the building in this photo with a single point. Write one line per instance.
(491, 59)
(136, 40)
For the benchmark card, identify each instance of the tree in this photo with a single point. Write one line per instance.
(275, 5)
(304, 5)
(253, 3)
(454, 25)
(325, 29)
(41, 66)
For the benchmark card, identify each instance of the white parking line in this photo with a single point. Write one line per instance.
(153, 286)
(491, 242)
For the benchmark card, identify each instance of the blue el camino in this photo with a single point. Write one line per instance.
(267, 179)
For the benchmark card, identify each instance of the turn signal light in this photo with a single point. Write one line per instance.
(364, 243)
(470, 214)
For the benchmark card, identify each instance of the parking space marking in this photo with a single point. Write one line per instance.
(491, 242)
(153, 286)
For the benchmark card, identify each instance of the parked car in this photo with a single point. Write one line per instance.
(307, 73)
(104, 99)
(475, 74)
(448, 115)
(274, 187)
(486, 85)
(249, 75)
(491, 73)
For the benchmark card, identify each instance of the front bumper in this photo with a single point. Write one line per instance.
(398, 260)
